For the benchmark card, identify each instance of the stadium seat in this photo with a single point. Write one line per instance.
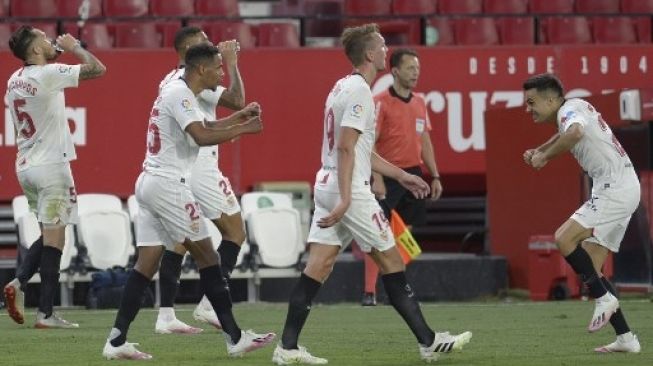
(566, 30)
(414, 7)
(4, 8)
(5, 34)
(323, 27)
(278, 35)
(505, 6)
(637, 6)
(19, 207)
(33, 8)
(643, 28)
(460, 6)
(70, 8)
(614, 30)
(104, 229)
(273, 228)
(551, 6)
(172, 8)
(439, 32)
(476, 31)
(221, 31)
(368, 7)
(395, 31)
(167, 30)
(597, 6)
(225, 8)
(136, 35)
(125, 8)
(94, 35)
(216, 239)
(516, 30)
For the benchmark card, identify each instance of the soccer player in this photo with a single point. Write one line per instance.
(211, 189)
(345, 208)
(35, 95)
(598, 226)
(168, 212)
(402, 138)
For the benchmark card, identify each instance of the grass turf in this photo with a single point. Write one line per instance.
(547, 333)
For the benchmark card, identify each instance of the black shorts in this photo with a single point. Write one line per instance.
(412, 210)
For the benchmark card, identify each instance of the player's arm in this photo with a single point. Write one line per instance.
(204, 136)
(565, 142)
(91, 67)
(378, 185)
(251, 110)
(428, 156)
(528, 154)
(234, 97)
(413, 183)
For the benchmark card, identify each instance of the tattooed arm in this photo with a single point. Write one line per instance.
(91, 67)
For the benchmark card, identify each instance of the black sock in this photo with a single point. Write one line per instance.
(30, 264)
(299, 306)
(228, 251)
(169, 277)
(50, 260)
(581, 262)
(130, 304)
(618, 321)
(403, 300)
(217, 291)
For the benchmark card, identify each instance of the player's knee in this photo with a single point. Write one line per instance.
(564, 242)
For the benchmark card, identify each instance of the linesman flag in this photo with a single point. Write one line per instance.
(408, 247)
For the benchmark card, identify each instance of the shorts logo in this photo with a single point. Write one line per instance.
(356, 110)
(384, 235)
(195, 226)
(231, 201)
(186, 105)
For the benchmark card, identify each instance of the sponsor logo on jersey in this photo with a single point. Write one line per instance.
(567, 116)
(65, 69)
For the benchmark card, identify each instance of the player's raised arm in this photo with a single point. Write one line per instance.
(234, 97)
(91, 66)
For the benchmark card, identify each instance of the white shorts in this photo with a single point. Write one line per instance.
(607, 213)
(212, 189)
(50, 192)
(167, 212)
(364, 221)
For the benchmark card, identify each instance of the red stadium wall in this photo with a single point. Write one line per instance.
(110, 115)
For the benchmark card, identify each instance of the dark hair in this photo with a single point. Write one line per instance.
(183, 35)
(544, 82)
(398, 54)
(20, 41)
(199, 54)
(356, 41)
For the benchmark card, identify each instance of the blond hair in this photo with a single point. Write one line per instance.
(356, 41)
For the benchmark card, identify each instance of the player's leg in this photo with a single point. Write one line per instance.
(233, 235)
(216, 289)
(169, 273)
(371, 277)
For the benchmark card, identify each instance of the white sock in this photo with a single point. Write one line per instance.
(205, 303)
(627, 337)
(167, 314)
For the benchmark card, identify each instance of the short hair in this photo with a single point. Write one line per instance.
(544, 82)
(199, 54)
(356, 41)
(398, 54)
(183, 35)
(20, 41)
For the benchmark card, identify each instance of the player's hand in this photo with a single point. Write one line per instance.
(528, 155)
(229, 52)
(253, 125)
(67, 42)
(251, 110)
(539, 160)
(335, 215)
(436, 189)
(378, 188)
(416, 185)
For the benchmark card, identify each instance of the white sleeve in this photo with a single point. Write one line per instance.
(212, 96)
(359, 106)
(184, 108)
(568, 116)
(60, 76)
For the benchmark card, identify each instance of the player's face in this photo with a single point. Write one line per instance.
(540, 105)
(407, 72)
(44, 45)
(379, 52)
(212, 73)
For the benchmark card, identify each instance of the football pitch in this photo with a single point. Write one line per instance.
(505, 333)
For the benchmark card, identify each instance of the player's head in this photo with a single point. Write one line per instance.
(405, 67)
(27, 42)
(204, 60)
(544, 95)
(364, 44)
(187, 37)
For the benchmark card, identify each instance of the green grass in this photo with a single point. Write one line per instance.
(550, 333)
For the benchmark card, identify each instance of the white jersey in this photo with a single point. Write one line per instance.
(36, 99)
(170, 151)
(598, 152)
(208, 101)
(350, 104)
